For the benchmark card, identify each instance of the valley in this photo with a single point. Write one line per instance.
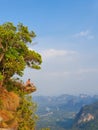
(59, 113)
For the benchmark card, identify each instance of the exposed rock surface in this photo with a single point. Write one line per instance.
(9, 102)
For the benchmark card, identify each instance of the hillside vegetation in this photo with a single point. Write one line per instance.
(87, 118)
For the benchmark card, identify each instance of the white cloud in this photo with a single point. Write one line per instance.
(77, 74)
(82, 33)
(88, 70)
(86, 34)
(83, 73)
(52, 53)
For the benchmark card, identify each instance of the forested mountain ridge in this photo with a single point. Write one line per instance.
(87, 118)
(64, 101)
(59, 112)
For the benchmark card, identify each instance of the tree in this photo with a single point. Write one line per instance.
(14, 52)
(14, 57)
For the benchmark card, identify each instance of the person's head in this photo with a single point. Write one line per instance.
(29, 79)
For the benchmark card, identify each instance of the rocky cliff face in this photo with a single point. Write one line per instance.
(87, 118)
(9, 101)
(15, 107)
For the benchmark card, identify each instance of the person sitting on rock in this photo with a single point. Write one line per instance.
(28, 83)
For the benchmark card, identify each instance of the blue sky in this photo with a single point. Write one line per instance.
(67, 39)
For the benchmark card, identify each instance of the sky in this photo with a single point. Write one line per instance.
(67, 39)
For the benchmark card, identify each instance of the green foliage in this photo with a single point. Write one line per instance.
(14, 85)
(26, 113)
(14, 52)
(14, 57)
(1, 104)
(1, 77)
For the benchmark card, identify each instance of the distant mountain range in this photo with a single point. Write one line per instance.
(65, 112)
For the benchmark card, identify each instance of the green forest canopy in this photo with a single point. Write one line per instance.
(14, 52)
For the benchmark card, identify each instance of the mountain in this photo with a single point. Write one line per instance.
(59, 112)
(87, 118)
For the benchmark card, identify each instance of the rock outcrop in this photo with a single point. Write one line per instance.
(9, 102)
